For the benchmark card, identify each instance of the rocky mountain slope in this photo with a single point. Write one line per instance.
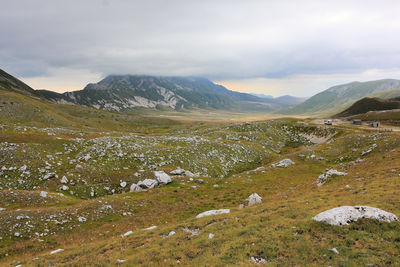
(122, 92)
(367, 104)
(339, 97)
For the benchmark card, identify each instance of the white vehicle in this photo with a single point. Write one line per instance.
(328, 122)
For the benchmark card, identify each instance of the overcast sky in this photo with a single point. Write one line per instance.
(271, 47)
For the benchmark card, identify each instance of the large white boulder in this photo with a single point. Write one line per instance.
(254, 199)
(147, 183)
(283, 163)
(213, 212)
(162, 177)
(346, 214)
(324, 177)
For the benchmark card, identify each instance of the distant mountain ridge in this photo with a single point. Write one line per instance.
(121, 92)
(262, 95)
(286, 100)
(340, 97)
(289, 100)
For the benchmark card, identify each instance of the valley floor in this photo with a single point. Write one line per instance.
(91, 219)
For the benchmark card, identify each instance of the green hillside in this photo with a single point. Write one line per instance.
(10, 83)
(340, 97)
(386, 94)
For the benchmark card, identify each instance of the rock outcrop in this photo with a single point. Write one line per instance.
(213, 212)
(283, 163)
(254, 199)
(324, 177)
(347, 214)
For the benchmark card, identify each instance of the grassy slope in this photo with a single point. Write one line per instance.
(336, 99)
(279, 229)
(386, 94)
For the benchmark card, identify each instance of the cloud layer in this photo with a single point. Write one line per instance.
(224, 40)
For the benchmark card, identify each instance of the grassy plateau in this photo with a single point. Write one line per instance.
(66, 172)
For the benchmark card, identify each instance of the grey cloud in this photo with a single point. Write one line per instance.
(217, 39)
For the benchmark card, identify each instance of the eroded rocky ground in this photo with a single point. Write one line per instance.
(67, 191)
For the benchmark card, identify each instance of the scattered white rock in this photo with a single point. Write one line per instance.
(324, 177)
(16, 234)
(87, 157)
(347, 214)
(64, 187)
(120, 261)
(254, 199)
(162, 177)
(123, 184)
(49, 176)
(283, 163)
(210, 236)
(347, 186)
(78, 167)
(335, 250)
(150, 228)
(43, 194)
(258, 260)
(56, 251)
(23, 168)
(215, 185)
(171, 233)
(191, 231)
(81, 219)
(213, 212)
(64, 180)
(128, 233)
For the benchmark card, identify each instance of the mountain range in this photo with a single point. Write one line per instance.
(126, 92)
(123, 92)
